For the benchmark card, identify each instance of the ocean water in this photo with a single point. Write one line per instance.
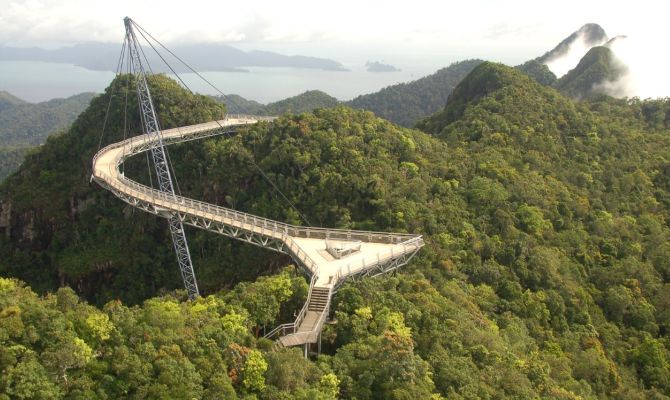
(39, 81)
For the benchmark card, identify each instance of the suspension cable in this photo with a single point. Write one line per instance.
(256, 166)
(227, 98)
(164, 61)
(125, 107)
(165, 149)
(111, 93)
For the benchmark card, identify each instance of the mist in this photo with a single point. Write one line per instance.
(578, 48)
(647, 65)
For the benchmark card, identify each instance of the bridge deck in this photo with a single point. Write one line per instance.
(379, 251)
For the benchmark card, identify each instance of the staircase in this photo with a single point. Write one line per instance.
(319, 299)
(307, 327)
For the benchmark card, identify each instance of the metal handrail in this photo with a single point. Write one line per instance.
(248, 222)
(281, 230)
(415, 243)
(244, 221)
(296, 231)
(299, 318)
(310, 335)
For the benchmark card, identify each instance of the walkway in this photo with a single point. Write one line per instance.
(314, 249)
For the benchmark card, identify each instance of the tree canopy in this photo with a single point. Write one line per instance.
(545, 272)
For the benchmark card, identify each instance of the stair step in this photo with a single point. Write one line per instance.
(277, 345)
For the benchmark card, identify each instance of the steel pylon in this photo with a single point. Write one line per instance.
(152, 129)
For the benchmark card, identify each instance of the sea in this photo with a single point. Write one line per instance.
(39, 81)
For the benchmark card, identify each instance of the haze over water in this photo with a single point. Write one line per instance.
(40, 81)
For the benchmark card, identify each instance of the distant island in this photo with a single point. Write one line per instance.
(202, 56)
(376, 66)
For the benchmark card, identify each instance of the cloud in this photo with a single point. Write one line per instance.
(513, 31)
(440, 32)
(577, 49)
(647, 64)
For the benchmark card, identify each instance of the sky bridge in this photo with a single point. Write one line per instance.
(329, 256)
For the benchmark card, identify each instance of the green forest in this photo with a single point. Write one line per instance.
(24, 125)
(304, 102)
(545, 273)
(406, 103)
(10, 159)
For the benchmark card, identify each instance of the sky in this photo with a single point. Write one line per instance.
(434, 32)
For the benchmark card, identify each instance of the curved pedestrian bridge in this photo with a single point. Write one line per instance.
(329, 256)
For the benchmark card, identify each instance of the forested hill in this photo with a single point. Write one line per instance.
(10, 159)
(304, 102)
(569, 206)
(23, 124)
(597, 68)
(407, 103)
(593, 76)
(545, 273)
(589, 34)
(8, 100)
(596, 73)
(58, 228)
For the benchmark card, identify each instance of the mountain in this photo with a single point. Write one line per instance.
(544, 275)
(481, 82)
(538, 71)
(10, 159)
(50, 211)
(236, 104)
(8, 100)
(589, 35)
(585, 62)
(407, 103)
(596, 68)
(31, 123)
(304, 102)
(565, 55)
(202, 57)
(23, 124)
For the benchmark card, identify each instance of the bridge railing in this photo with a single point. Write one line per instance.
(381, 257)
(403, 243)
(247, 221)
(311, 335)
(140, 141)
(184, 131)
(292, 327)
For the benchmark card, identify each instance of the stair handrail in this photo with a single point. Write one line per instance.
(293, 326)
(311, 335)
